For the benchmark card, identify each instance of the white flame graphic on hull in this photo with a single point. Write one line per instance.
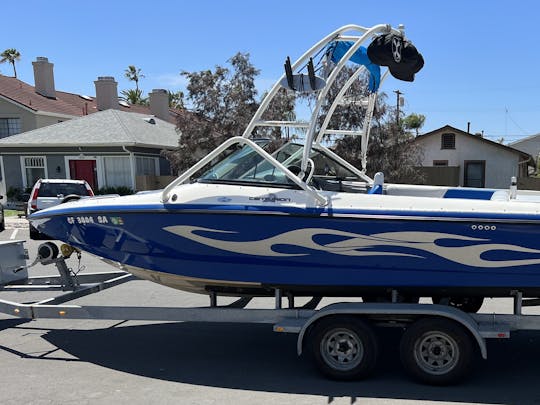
(358, 245)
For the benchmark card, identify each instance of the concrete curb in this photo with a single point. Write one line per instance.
(16, 222)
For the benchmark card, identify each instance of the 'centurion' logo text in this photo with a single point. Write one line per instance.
(270, 198)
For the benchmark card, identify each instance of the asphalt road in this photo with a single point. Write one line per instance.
(105, 362)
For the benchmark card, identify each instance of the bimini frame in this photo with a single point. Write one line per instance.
(362, 34)
(359, 36)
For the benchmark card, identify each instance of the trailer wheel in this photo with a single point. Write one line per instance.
(436, 351)
(344, 348)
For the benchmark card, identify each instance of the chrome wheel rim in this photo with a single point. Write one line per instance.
(436, 353)
(342, 349)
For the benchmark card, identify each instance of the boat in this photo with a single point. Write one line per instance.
(302, 220)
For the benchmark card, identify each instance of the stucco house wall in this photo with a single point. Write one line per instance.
(501, 162)
(10, 110)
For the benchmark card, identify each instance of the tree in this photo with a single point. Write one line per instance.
(134, 74)
(176, 99)
(133, 96)
(391, 150)
(389, 146)
(10, 55)
(414, 121)
(222, 102)
(281, 108)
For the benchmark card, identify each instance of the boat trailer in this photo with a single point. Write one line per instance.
(437, 346)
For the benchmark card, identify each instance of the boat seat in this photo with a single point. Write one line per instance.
(469, 193)
(378, 181)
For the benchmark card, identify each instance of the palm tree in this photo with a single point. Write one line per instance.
(133, 97)
(414, 121)
(133, 74)
(10, 55)
(176, 99)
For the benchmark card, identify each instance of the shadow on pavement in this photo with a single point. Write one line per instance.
(252, 357)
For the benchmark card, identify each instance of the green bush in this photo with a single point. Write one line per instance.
(17, 194)
(122, 190)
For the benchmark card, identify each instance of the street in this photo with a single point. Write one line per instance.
(104, 362)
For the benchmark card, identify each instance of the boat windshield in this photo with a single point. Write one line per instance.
(290, 155)
(242, 164)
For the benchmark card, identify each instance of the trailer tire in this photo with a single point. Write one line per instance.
(344, 347)
(436, 351)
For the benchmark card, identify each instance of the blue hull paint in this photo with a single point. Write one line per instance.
(138, 239)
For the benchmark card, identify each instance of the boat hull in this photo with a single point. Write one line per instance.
(250, 251)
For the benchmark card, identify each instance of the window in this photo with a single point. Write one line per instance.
(440, 163)
(146, 166)
(33, 169)
(117, 171)
(54, 189)
(448, 141)
(9, 126)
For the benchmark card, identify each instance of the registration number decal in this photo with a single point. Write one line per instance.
(90, 219)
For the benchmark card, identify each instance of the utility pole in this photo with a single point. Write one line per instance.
(398, 94)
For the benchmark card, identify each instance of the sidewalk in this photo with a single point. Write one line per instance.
(16, 222)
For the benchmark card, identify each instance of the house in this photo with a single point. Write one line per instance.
(49, 133)
(529, 144)
(450, 156)
(108, 149)
(24, 107)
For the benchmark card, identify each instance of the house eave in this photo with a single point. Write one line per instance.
(56, 115)
(86, 145)
(23, 106)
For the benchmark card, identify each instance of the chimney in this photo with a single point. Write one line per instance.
(44, 77)
(106, 93)
(159, 103)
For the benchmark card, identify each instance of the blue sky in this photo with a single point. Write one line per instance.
(481, 58)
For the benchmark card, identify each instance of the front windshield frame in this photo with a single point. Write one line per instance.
(185, 177)
(247, 167)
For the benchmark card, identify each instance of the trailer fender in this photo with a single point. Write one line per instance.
(418, 310)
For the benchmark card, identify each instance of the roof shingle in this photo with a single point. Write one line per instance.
(65, 103)
(104, 128)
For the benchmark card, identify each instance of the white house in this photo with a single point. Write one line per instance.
(530, 145)
(472, 160)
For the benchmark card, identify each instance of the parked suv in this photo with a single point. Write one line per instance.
(49, 192)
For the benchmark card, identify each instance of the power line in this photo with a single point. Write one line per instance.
(507, 115)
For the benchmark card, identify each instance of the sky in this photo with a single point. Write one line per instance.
(481, 57)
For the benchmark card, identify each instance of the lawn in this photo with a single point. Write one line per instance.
(11, 213)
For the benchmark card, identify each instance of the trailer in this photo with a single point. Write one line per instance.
(438, 344)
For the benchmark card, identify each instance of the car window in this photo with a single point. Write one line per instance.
(54, 189)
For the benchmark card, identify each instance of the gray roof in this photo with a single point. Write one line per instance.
(104, 128)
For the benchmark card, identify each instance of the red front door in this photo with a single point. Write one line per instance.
(84, 170)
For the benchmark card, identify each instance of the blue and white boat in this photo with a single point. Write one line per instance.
(246, 222)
